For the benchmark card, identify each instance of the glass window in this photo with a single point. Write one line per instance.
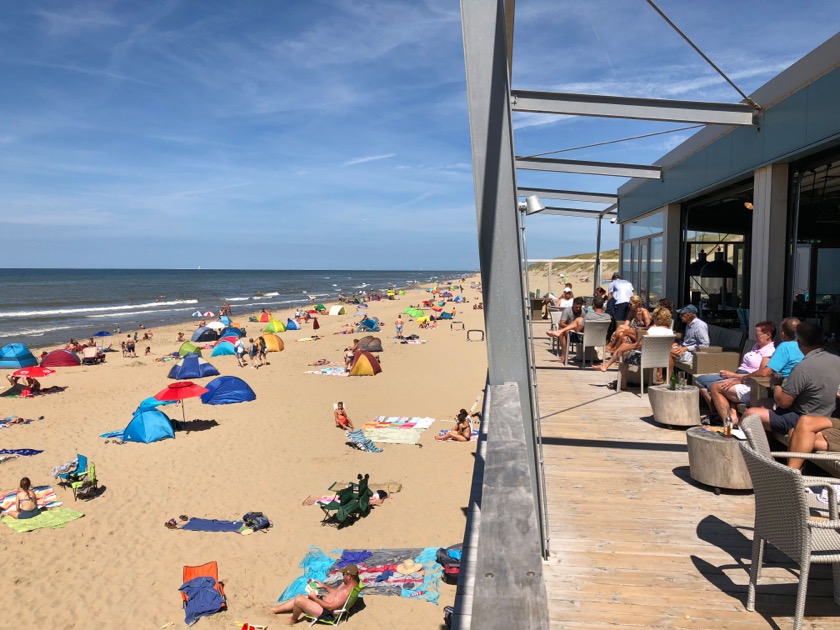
(655, 271)
(643, 286)
(646, 226)
(626, 260)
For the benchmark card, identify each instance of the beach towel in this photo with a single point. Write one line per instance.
(378, 572)
(25, 452)
(51, 519)
(388, 486)
(5, 458)
(473, 436)
(328, 371)
(202, 599)
(212, 525)
(45, 497)
(394, 435)
(362, 442)
(402, 422)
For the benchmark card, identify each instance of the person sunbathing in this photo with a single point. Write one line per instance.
(325, 599)
(462, 430)
(12, 420)
(321, 362)
(13, 380)
(26, 506)
(341, 419)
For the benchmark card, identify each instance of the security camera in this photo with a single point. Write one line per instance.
(614, 220)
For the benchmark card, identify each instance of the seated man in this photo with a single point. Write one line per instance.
(696, 335)
(576, 326)
(316, 604)
(811, 388)
(728, 393)
(341, 419)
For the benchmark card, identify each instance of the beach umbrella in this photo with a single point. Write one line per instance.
(197, 314)
(216, 325)
(209, 314)
(33, 372)
(180, 391)
(102, 333)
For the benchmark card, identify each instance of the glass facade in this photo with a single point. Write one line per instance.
(814, 240)
(641, 256)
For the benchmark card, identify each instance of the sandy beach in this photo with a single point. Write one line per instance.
(120, 565)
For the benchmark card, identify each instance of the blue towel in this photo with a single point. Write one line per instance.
(352, 557)
(384, 575)
(26, 452)
(202, 598)
(316, 564)
(113, 434)
(211, 525)
(455, 554)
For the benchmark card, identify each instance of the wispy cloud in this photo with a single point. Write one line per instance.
(368, 158)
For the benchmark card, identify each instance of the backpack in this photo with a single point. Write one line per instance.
(256, 521)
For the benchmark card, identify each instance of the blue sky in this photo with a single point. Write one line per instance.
(324, 134)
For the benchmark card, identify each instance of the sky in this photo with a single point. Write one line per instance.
(316, 134)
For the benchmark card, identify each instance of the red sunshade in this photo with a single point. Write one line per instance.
(180, 391)
(35, 371)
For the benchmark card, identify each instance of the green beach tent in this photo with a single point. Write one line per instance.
(188, 347)
(413, 312)
(275, 326)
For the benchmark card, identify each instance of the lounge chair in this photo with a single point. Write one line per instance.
(90, 355)
(352, 501)
(337, 616)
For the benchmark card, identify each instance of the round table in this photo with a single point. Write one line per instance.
(716, 460)
(676, 408)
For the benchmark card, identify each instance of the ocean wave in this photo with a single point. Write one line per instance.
(362, 286)
(91, 309)
(271, 294)
(33, 332)
(236, 299)
(133, 313)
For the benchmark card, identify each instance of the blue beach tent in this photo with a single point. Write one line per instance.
(368, 325)
(205, 334)
(291, 324)
(230, 331)
(226, 390)
(14, 356)
(192, 366)
(152, 403)
(223, 349)
(225, 320)
(148, 426)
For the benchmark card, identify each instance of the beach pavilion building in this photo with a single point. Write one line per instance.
(742, 219)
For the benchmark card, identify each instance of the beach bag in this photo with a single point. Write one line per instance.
(450, 559)
(256, 521)
(447, 616)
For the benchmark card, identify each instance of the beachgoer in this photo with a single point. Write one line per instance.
(378, 497)
(181, 337)
(130, 345)
(136, 335)
(26, 506)
(13, 380)
(148, 350)
(253, 352)
(12, 420)
(263, 351)
(142, 326)
(33, 384)
(348, 358)
(316, 604)
(240, 352)
(341, 419)
(399, 324)
(462, 430)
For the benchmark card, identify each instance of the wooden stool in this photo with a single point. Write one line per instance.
(716, 460)
(480, 332)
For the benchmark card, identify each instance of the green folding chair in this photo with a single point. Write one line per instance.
(337, 616)
(84, 482)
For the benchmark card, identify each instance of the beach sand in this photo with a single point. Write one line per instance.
(120, 565)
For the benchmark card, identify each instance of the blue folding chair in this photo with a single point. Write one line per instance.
(68, 478)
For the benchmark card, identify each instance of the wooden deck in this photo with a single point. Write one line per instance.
(634, 541)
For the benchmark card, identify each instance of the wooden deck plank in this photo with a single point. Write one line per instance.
(634, 541)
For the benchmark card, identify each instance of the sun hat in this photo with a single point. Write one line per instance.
(409, 566)
(351, 569)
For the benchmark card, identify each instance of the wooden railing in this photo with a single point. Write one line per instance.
(501, 582)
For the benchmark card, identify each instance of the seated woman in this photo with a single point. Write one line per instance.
(637, 317)
(462, 430)
(26, 506)
(341, 419)
(33, 384)
(632, 349)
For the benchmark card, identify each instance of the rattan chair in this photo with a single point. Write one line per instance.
(757, 438)
(594, 336)
(656, 353)
(782, 519)
(556, 314)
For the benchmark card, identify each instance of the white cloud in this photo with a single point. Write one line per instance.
(368, 158)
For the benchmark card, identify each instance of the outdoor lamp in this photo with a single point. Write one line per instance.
(718, 268)
(749, 205)
(531, 205)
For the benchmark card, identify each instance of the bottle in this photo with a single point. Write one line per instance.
(673, 385)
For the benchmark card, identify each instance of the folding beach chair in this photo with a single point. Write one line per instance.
(360, 441)
(73, 478)
(211, 570)
(337, 616)
(85, 481)
(351, 502)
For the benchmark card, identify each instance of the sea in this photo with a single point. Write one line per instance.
(43, 307)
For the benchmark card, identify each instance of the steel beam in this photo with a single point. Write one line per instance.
(640, 108)
(568, 195)
(614, 169)
(571, 212)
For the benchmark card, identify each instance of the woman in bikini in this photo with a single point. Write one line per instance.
(26, 505)
(638, 317)
(462, 430)
(341, 419)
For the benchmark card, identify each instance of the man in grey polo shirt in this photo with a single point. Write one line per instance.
(811, 388)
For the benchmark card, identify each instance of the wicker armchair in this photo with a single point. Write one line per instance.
(757, 438)
(782, 519)
(594, 336)
(656, 352)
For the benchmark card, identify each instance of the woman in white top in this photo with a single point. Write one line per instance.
(566, 299)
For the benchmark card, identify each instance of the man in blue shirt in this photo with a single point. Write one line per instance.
(696, 335)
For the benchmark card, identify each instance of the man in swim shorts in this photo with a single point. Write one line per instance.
(399, 324)
(326, 599)
(341, 419)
